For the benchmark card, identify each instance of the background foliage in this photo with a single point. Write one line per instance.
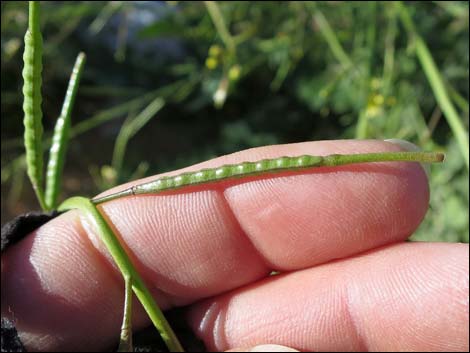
(227, 76)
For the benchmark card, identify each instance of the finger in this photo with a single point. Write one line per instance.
(204, 242)
(264, 348)
(407, 297)
(293, 221)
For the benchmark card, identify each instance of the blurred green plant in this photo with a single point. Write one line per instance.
(277, 72)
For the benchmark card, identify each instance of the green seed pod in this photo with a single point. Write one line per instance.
(267, 166)
(32, 101)
(61, 136)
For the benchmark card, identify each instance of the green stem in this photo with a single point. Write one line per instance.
(342, 159)
(459, 100)
(130, 127)
(364, 116)
(125, 340)
(219, 23)
(332, 40)
(127, 269)
(362, 123)
(437, 84)
(389, 53)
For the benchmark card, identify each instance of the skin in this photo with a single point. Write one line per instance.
(350, 281)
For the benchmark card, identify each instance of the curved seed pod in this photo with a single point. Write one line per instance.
(267, 166)
(32, 101)
(61, 136)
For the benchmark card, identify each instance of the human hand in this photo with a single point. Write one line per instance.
(213, 249)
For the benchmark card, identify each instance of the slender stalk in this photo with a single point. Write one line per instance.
(125, 340)
(166, 92)
(219, 23)
(364, 115)
(130, 128)
(127, 269)
(331, 39)
(389, 53)
(459, 100)
(104, 16)
(339, 53)
(437, 84)
(362, 123)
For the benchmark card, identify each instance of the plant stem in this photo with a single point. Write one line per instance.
(331, 39)
(127, 269)
(219, 23)
(364, 115)
(130, 127)
(389, 54)
(437, 85)
(125, 340)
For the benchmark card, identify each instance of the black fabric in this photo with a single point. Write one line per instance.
(21, 226)
(147, 340)
(10, 340)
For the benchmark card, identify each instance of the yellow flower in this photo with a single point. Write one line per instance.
(211, 63)
(234, 73)
(215, 50)
(372, 111)
(378, 99)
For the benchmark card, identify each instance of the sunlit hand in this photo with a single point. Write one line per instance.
(348, 282)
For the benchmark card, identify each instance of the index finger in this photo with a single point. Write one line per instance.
(329, 212)
(191, 245)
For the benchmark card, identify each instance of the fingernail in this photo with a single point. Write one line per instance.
(406, 145)
(411, 147)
